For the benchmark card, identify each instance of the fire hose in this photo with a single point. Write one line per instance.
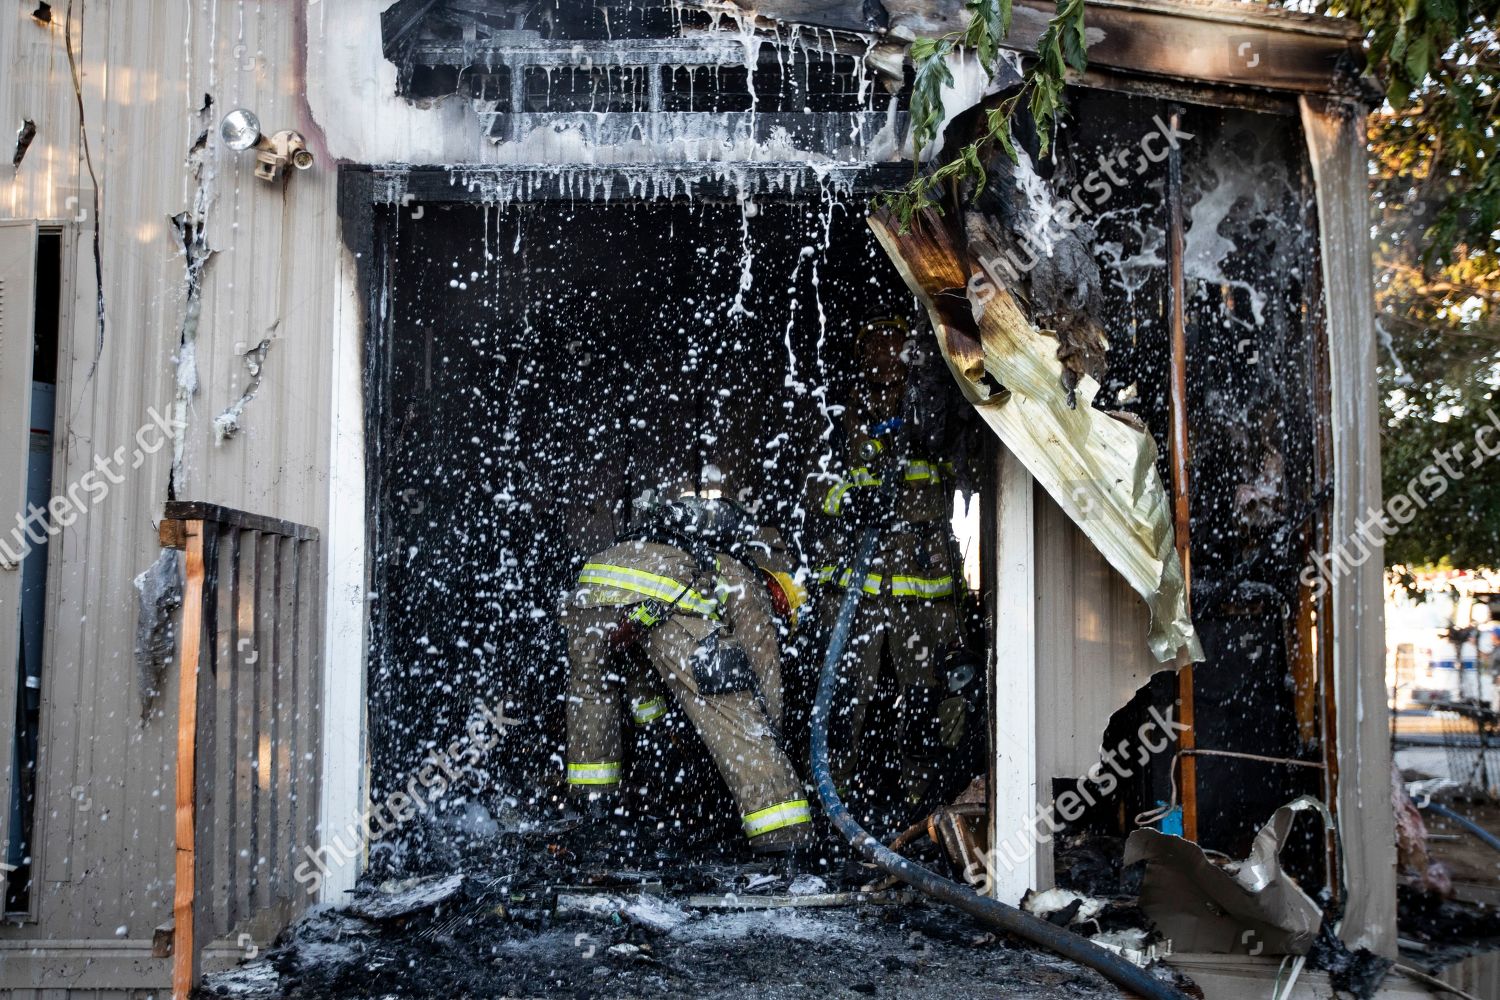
(991, 911)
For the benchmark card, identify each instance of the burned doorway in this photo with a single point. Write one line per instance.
(536, 367)
(1255, 478)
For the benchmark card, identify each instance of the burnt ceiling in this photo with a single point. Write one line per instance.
(651, 74)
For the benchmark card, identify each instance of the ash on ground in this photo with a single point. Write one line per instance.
(472, 946)
(547, 926)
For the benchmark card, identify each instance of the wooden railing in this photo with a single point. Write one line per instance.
(247, 727)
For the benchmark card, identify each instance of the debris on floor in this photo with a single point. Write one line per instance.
(399, 898)
(1116, 924)
(1249, 907)
(1446, 908)
(482, 940)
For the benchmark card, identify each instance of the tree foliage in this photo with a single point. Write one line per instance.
(1436, 196)
(1061, 48)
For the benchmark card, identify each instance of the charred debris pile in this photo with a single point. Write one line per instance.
(531, 918)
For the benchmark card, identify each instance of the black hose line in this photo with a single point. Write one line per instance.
(993, 912)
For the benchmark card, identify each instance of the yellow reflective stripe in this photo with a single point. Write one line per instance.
(638, 581)
(901, 586)
(648, 711)
(872, 581)
(825, 573)
(644, 615)
(777, 817)
(919, 586)
(602, 772)
(919, 471)
(833, 502)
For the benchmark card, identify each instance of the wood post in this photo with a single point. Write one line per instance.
(184, 948)
(1181, 475)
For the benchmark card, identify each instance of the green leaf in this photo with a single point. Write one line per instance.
(1397, 92)
(927, 91)
(986, 30)
(1075, 40)
(1009, 143)
(923, 49)
(999, 125)
(1417, 59)
(1063, 46)
(1397, 48)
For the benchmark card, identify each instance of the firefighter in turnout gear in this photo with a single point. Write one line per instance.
(703, 620)
(908, 611)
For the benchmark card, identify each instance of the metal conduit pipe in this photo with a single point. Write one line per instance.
(993, 912)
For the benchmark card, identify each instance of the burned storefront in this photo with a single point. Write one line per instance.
(1010, 501)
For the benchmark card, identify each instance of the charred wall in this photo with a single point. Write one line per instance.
(1250, 265)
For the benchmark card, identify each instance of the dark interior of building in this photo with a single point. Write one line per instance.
(547, 364)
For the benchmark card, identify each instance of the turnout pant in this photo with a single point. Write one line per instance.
(915, 633)
(735, 729)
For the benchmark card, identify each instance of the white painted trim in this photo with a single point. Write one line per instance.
(1015, 708)
(1335, 133)
(343, 748)
(18, 252)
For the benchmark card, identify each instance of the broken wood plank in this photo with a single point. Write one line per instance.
(172, 533)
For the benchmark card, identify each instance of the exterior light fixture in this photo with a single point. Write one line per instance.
(240, 130)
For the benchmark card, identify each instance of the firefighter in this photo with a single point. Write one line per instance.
(703, 620)
(908, 611)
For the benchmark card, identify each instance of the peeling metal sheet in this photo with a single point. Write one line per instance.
(190, 228)
(1248, 907)
(1100, 469)
(227, 423)
(159, 594)
(24, 135)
